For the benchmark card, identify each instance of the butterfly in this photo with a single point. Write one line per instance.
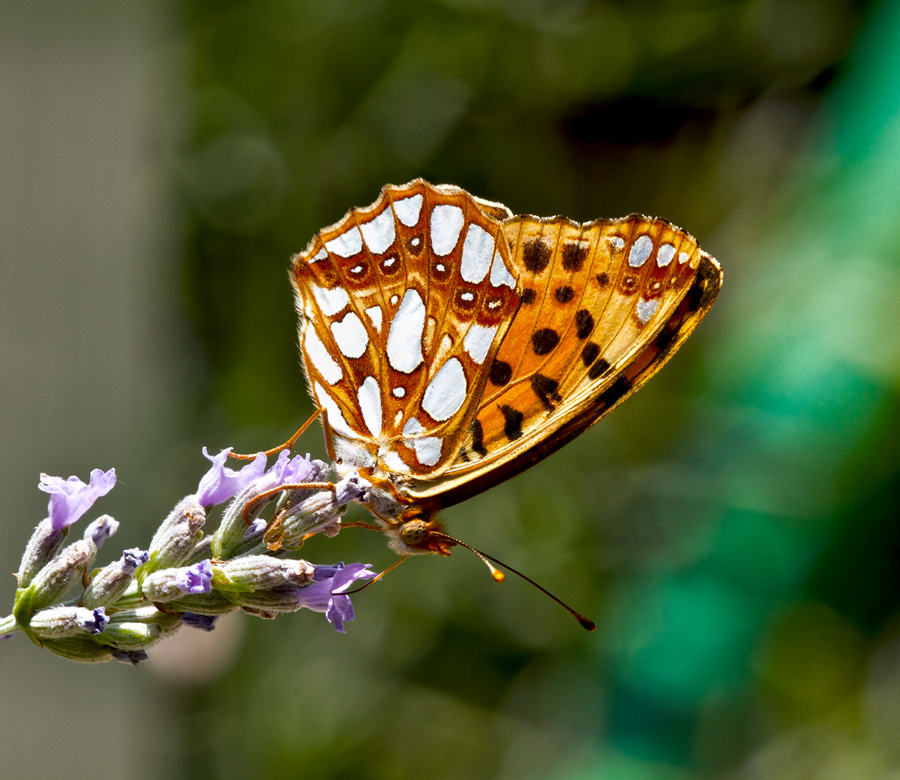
(451, 345)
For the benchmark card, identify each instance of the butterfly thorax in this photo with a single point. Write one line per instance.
(408, 523)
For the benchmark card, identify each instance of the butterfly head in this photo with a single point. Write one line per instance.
(416, 532)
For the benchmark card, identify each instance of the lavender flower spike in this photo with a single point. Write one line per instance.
(187, 576)
(328, 591)
(71, 498)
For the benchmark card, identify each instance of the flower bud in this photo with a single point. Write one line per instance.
(202, 550)
(61, 622)
(176, 538)
(43, 545)
(269, 603)
(170, 584)
(110, 582)
(78, 648)
(167, 621)
(261, 572)
(317, 513)
(101, 529)
(133, 636)
(58, 576)
(213, 603)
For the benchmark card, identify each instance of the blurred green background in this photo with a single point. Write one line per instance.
(733, 528)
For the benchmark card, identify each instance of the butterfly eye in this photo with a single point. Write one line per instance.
(413, 533)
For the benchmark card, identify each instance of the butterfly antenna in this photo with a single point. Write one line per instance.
(498, 576)
(375, 579)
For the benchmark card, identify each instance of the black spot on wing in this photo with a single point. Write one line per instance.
(478, 438)
(615, 391)
(573, 256)
(584, 323)
(564, 294)
(590, 353)
(528, 296)
(544, 341)
(535, 255)
(598, 369)
(694, 296)
(500, 373)
(666, 337)
(546, 389)
(512, 425)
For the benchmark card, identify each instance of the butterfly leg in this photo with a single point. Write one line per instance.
(287, 445)
(252, 504)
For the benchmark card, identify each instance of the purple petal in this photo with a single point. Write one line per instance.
(202, 622)
(195, 579)
(326, 594)
(133, 657)
(96, 623)
(221, 484)
(286, 471)
(134, 557)
(71, 498)
(256, 528)
(101, 529)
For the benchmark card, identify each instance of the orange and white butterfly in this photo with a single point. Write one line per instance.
(452, 345)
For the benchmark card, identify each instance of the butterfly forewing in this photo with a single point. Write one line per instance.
(603, 306)
(403, 305)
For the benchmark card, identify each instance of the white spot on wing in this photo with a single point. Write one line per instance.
(682, 257)
(394, 299)
(640, 251)
(446, 224)
(350, 335)
(404, 344)
(346, 244)
(399, 392)
(393, 462)
(319, 357)
(664, 255)
(330, 301)
(335, 418)
(446, 391)
(646, 309)
(412, 427)
(374, 313)
(500, 273)
(428, 450)
(478, 342)
(379, 233)
(320, 255)
(617, 242)
(476, 254)
(467, 296)
(408, 209)
(369, 396)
